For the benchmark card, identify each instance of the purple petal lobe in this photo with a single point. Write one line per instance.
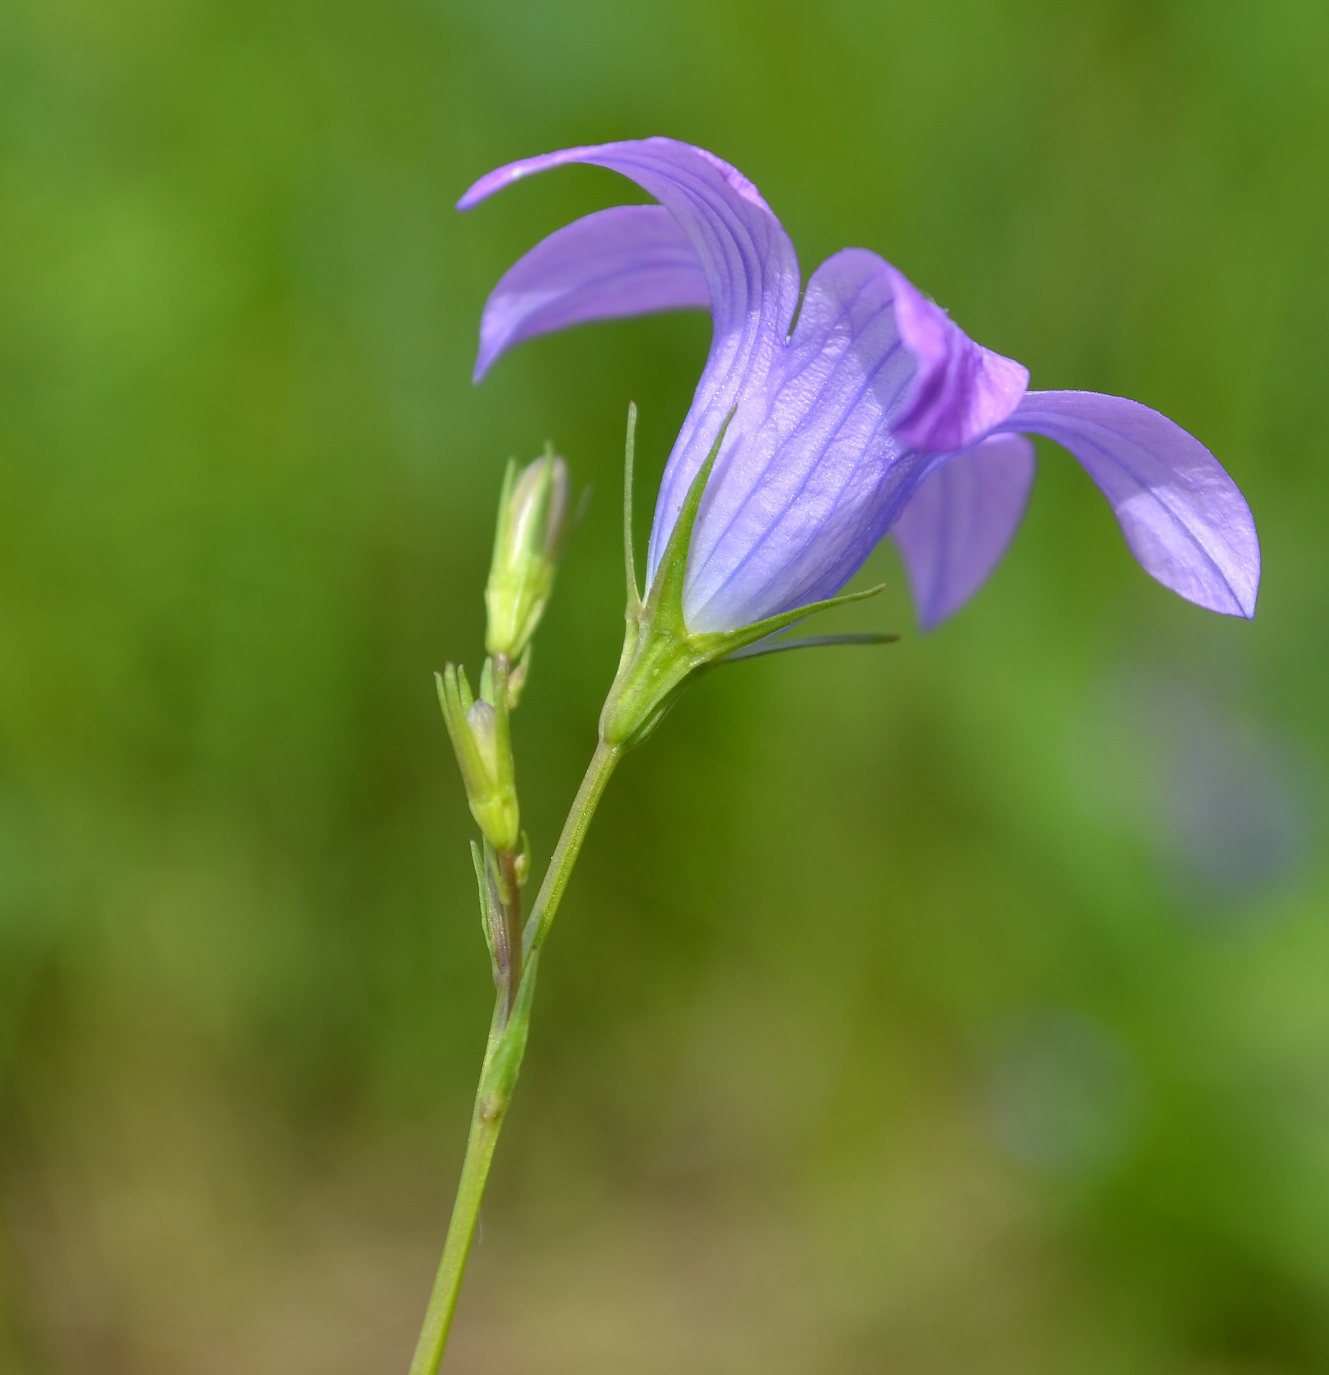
(960, 520)
(1184, 518)
(630, 260)
(747, 258)
(751, 274)
(811, 473)
(960, 390)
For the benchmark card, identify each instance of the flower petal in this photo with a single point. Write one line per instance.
(747, 258)
(1184, 518)
(960, 390)
(629, 260)
(811, 474)
(960, 520)
(751, 273)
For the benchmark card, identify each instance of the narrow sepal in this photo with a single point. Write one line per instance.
(629, 554)
(761, 648)
(461, 686)
(511, 1042)
(717, 644)
(664, 602)
(454, 697)
(488, 911)
(504, 517)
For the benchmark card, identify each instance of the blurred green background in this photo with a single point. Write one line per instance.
(959, 1006)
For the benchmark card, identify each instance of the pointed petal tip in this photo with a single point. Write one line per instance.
(485, 359)
(1244, 600)
(499, 178)
(476, 192)
(1244, 591)
(1250, 595)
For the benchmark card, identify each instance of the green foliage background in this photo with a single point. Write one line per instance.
(958, 1006)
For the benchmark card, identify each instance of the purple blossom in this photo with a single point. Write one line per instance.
(870, 412)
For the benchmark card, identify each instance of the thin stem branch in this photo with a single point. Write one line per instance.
(598, 773)
(498, 1075)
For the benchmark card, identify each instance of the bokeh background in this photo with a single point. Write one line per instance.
(960, 1006)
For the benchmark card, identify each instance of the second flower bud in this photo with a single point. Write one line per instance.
(478, 728)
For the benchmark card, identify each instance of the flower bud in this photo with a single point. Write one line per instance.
(479, 732)
(532, 521)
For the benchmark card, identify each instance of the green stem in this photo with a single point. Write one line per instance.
(486, 1119)
(598, 773)
(498, 1075)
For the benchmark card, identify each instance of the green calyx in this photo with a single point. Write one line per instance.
(478, 729)
(661, 656)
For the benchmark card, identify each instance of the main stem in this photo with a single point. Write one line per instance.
(498, 1074)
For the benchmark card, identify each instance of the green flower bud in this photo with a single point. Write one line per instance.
(478, 728)
(532, 522)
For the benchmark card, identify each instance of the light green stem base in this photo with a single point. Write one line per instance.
(502, 1062)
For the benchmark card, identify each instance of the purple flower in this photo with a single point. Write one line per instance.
(865, 410)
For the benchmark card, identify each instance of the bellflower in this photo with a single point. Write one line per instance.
(826, 417)
(861, 411)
